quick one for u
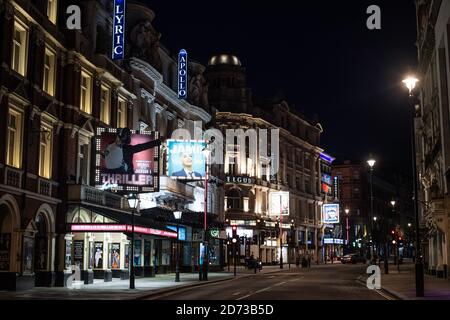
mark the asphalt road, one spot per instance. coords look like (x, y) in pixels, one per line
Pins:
(320, 282)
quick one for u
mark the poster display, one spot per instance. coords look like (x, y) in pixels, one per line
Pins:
(91, 255)
(127, 160)
(279, 203)
(185, 159)
(28, 248)
(330, 213)
(127, 256)
(68, 255)
(147, 252)
(98, 256)
(137, 253)
(78, 253)
(115, 256)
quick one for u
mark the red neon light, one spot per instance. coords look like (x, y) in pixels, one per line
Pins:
(120, 228)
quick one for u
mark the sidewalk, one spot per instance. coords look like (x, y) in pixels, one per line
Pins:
(119, 289)
(403, 284)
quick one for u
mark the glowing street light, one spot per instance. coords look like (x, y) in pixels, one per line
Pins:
(410, 84)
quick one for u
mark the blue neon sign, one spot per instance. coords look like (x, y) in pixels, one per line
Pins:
(118, 49)
(182, 74)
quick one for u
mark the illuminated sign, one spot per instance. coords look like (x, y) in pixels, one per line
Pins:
(118, 49)
(185, 159)
(127, 160)
(330, 213)
(119, 228)
(241, 180)
(326, 178)
(279, 203)
(336, 187)
(215, 233)
(182, 74)
(181, 232)
(333, 241)
(327, 157)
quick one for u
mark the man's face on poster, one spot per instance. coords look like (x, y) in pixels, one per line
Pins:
(186, 159)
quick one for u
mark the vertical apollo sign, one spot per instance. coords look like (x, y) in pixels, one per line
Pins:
(118, 48)
(182, 74)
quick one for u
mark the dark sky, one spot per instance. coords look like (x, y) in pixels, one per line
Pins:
(320, 54)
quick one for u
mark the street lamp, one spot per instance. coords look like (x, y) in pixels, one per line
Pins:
(410, 83)
(371, 162)
(206, 151)
(177, 215)
(347, 227)
(133, 201)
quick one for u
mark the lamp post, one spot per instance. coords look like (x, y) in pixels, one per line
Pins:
(371, 162)
(280, 222)
(207, 153)
(347, 227)
(177, 215)
(133, 201)
(396, 248)
(410, 84)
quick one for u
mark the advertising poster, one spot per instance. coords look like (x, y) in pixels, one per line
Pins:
(5, 251)
(78, 252)
(115, 256)
(147, 252)
(126, 160)
(98, 256)
(137, 253)
(330, 213)
(279, 203)
(127, 256)
(68, 255)
(40, 253)
(185, 159)
(91, 255)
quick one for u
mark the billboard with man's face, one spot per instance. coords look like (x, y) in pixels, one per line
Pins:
(330, 213)
(127, 160)
(185, 159)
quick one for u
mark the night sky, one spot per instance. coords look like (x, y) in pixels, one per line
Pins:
(320, 56)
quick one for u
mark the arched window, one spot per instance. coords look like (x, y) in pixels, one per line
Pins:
(233, 199)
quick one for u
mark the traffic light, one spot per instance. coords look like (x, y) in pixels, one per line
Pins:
(234, 229)
(255, 239)
(242, 239)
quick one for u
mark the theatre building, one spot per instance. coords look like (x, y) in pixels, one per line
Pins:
(255, 186)
(58, 87)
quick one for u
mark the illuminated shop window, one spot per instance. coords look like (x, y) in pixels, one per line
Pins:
(52, 8)
(105, 105)
(19, 48)
(85, 92)
(122, 114)
(45, 151)
(14, 139)
(48, 84)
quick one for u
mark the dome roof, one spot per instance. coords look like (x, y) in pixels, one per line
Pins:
(224, 59)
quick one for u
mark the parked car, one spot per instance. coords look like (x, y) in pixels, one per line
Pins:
(353, 258)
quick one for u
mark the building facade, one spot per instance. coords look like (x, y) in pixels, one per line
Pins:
(256, 180)
(432, 125)
(58, 86)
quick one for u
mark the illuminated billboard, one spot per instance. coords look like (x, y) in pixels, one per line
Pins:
(330, 213)
(127, 160)
(118, 49)
(279, 203)
(185, 159)
(182, 74)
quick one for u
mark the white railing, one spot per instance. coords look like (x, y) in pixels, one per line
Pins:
(84, 193)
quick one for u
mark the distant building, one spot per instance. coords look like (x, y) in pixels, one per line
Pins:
(433, 131)
(249, 185)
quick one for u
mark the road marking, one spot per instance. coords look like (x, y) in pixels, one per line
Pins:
(251, 294)
(279, 284)
(236, 293)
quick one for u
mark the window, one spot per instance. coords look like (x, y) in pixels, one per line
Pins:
(233, 199)
(45, 151)
(105, 104)
(52, 7)
(85, 92)
(122, 114)
(14, 139)
(48, 84)
(19, 48)
(83, 160)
